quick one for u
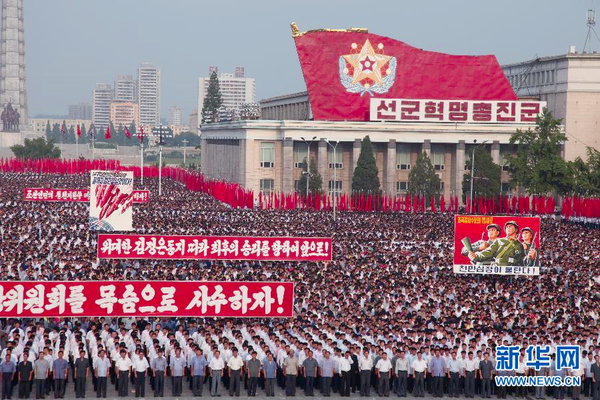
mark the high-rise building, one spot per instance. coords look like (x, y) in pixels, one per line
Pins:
(123, 113)
(149, 94)
(125, 88)
(101, 105)
(236, 89)
(175, 115)
(194, 121)
(13, 81)
(80, 111)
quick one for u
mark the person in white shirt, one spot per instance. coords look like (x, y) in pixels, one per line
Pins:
(140, 366)
(419, 368)
(384, 370)
(470, 368)
(216, 366)
(235, 367)
(345, 365)
(123, 366)
(365, 365)
(401, 369)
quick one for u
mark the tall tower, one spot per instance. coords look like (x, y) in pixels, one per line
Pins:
(13, 82)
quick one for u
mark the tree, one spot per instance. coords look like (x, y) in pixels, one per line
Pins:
(537, 164)
(133, 130)
(83, 137)
(71, 135)
(316, 181)
(422, 178)
(585, 176)
(36, 148)
(487, 174)
(48, 129)
(366, 178)
(213, 100)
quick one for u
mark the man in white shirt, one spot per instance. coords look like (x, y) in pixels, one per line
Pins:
(123, 366)
(216, 366)
(384, 370)
(140, 366)
(345, 364)
(401, 369)
(470, 368)
(365, 365)
(235, 367)
(419, 368)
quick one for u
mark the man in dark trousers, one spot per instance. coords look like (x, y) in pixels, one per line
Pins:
(123, 366)
(41, 369)
(8, 369)
(25, 371)
(101, 367)
(198, 372)
(253, 366)
(596, 379)
(59, 369)
(159, 366)
(140, 366)
(486, 374)
(309, 368)
(80, 374)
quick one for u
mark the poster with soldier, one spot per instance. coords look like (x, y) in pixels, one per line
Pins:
(507, 245)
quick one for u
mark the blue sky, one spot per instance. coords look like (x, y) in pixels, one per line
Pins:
(73, 44)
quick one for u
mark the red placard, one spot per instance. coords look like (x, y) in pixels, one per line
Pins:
(214, 247)
(76, 195)
(147, 298)
(481, 231)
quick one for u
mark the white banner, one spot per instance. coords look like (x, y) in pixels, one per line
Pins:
(456, 111)
(111, 201)
(496, 270)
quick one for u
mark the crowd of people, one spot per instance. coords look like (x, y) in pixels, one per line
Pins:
(387, 315)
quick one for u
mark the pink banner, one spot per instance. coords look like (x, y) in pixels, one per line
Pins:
(149, 298)
(214, 247)
(77, 195)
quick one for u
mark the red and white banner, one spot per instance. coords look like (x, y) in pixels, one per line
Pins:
(146, 298)
(456, 111)
(214, 247)
(111, 201)
(76, 195)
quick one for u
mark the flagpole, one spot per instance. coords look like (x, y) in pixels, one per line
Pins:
(77, 146)
(93, 148)
(142, 160)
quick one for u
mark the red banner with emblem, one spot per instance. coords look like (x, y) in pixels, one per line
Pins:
(76, 195)
(146, 298)
(343, 70)
(214, 247)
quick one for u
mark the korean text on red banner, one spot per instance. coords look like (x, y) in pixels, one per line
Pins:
(72, 195)
(148, 298)
(214, 247)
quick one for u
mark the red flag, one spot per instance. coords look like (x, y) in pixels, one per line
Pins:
(78, 130)
(443, 203)
(433, 204)
(127, 133)
(108, 136)
(141, 134)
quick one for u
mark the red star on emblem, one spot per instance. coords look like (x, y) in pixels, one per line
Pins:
(367, 64)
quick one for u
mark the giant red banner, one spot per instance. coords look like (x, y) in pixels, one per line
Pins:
(214, 247)
(507, 245)
(343, 70)
(77, 195)
(146, 298)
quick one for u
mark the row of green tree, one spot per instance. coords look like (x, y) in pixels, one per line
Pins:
(535, 163)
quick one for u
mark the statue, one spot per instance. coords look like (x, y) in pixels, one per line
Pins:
(10, 119)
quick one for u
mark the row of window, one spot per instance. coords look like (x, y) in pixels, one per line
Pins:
(532, 78)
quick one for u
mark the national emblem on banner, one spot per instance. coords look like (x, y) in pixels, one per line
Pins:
(367, 70)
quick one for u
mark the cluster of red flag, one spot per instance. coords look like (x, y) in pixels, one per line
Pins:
(503, 204)
(577, 206)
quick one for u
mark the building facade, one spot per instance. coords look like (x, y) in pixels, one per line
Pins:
(123, 113)
(570, 84)
(38, 125)
(236, 89)
(294, 106)
(149, 94)
(102, 96)
(175, 115)
(268, 155)
(194, 121)
(80, 111)
(126, 88)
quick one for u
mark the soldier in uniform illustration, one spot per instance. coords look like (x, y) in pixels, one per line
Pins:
(506, 251)
(493, 232)
(531, 254)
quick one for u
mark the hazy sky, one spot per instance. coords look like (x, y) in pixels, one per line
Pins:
(73, 44)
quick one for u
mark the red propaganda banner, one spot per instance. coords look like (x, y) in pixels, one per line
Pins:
(146, 298)
(507, 245)
(214, 247)
(343, 70)
(77, 195)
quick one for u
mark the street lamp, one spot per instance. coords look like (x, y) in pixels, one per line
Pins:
(334, 176)
(473, 166)
(308, 143)
(185, 142)
(160, 146)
